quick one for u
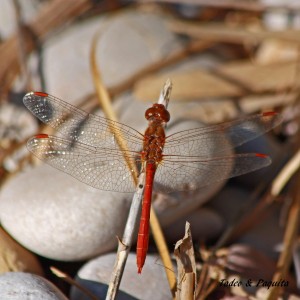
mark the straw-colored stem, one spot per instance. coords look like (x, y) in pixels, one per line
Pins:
(172, 58)
(277, 185)
(52, 15)
(290, 235)
(125, 244)
(65, 277)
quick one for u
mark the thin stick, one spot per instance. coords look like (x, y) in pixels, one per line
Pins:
(174, 57)
(254, 6)
(65, 277)
(290, 235)
(125, 244)
(21, 42)
(165, 94)
(256, 215)
(52, 15)
(286, 173)
(154, 223)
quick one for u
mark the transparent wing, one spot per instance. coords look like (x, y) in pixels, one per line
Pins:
(77, 125)
(177, 173)
(219, 138)
(104, 169)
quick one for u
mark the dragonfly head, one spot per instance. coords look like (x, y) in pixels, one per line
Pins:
(157, 112)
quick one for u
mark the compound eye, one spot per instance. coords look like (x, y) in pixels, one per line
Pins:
(149, 113)
(165, 115)
(162, 112)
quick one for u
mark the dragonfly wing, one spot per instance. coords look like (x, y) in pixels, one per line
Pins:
(208, 140)
(78, 125)
(104, 169)
(177, 173)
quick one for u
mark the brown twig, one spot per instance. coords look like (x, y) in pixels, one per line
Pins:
(65, 277)
(53, 15)
(290, 235)
(277, 185)
(125, 244)
(255, 6)
(21, 43)
(193, 47)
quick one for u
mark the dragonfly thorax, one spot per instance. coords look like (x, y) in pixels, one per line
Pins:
(154, 141)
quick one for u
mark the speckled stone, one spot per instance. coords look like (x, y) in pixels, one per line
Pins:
(128, 42)
(58, 217)
(26, 286)
(151, 284)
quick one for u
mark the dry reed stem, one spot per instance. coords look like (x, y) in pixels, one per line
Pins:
(186, 266)
(125, 244)
(52, 15)
(156, 230)
(191, 48)
(290, 235)
(127, 239)
(256, 215)
(21, 41)
(65, 277)
(285, 175)
(254, 6)
(222, 32)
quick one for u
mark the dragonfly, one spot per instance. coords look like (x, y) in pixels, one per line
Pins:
(186, 160)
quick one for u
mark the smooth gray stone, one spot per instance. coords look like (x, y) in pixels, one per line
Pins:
(26, 286)
(151, 284)
(56, 216)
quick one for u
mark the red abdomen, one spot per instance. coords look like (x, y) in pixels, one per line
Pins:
(143, 235)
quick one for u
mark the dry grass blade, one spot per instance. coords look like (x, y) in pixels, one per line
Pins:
(238, 35)
(185, 257)
(53, 14)
(105, 102)
(21, 41)
(124, 246)
(210, 273)
(158, 236)
(285, 175)
(256, 215)
(69, 280)
(288, 242)
(192, 47)
(226, 4)
(163, 250)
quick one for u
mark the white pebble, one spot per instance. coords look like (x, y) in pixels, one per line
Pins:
(56, 216)
(26, 286)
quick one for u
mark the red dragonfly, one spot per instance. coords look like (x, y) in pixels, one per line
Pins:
(89, 151)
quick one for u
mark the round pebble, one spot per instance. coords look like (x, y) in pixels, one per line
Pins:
(128, 43)
(56, 216)
(26, 286)
(150, 284)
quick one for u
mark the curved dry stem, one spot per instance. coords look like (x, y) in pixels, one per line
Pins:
(285, 174)
(290, 236)
(125, 244)
(65, 277)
